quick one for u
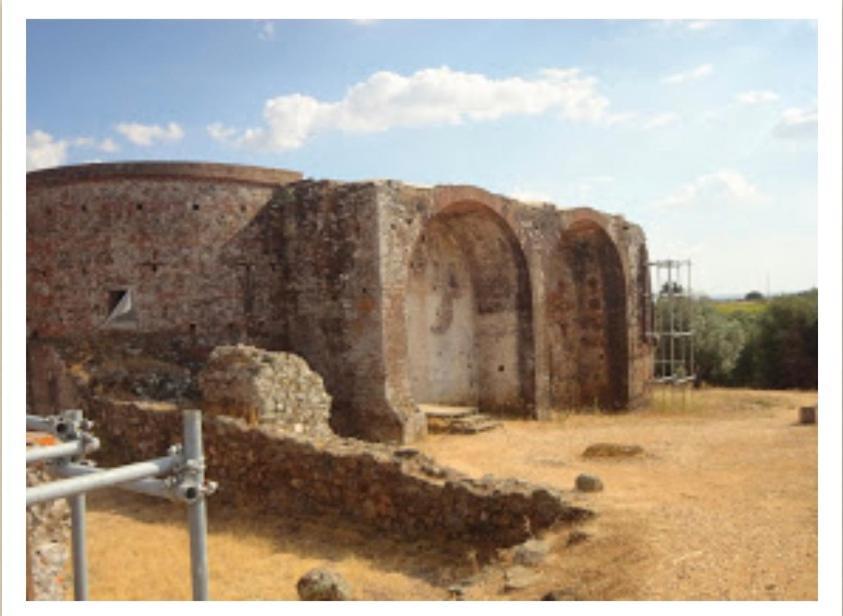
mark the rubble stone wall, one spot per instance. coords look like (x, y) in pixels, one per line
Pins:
(397, 490)
(48, 543)
(265, 387)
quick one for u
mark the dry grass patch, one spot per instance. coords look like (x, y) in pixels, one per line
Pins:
(722, 506)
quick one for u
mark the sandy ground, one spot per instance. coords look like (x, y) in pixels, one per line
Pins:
(722, 505)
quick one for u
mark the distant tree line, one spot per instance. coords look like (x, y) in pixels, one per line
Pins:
(769, 345)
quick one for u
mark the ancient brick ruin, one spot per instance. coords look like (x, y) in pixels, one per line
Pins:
(396, 295)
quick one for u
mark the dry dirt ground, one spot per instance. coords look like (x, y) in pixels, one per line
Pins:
(721, 505)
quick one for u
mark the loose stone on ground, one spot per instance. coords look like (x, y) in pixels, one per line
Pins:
(531, 553)
(612, 450)
(576, 537)
(518, 578)
(589, 483)
(323, 585)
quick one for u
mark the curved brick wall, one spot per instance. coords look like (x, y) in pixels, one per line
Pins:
(177, 235)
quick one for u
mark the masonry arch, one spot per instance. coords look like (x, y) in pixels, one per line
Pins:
(469, 313)
(598, 336)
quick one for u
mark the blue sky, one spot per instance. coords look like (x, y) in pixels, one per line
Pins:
(702, 132)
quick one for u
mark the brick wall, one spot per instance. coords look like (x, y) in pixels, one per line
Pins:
(220, 254)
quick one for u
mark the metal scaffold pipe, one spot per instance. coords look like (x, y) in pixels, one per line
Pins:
(37, 423)
(80, 558)
(151, 487)
(104, 479)
(197, 508)
(62, 450)
(184, 481)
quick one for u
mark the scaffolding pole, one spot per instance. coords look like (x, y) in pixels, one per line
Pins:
(184, 469)
(671, 331)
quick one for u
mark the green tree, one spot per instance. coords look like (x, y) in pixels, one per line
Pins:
(782, 353)
(718, 342)
(773, 348)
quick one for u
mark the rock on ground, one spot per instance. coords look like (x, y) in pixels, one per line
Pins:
(576, 536)
(531, 552)
(589, 483)
(563, 594)
(517, 578)
(612, 450)
(808, 414)
(323, 585)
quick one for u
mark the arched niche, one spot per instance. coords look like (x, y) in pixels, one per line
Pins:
(595, 332)
(469, 314)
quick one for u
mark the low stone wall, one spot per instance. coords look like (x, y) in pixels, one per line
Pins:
(394, 489)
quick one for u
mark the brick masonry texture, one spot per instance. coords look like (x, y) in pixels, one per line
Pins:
(395, 295)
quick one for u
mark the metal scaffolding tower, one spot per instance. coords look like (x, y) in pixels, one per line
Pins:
(670, 328)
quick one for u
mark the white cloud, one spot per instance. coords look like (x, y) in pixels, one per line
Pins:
(42, 151)
(530, 196)
(695, 25)
(266, 31)
(756, 97)
(797, 123)
(433, 96)
(691, 75)
(148, 134)
(660, 120)
(721, 188)
(106, 145)
(220, 132)
(700, 24)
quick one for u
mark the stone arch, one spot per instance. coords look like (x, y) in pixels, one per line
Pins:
(469, 313)
(597, 328)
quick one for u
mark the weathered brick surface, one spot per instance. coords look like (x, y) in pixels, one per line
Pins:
(395, 295)
(572, 332)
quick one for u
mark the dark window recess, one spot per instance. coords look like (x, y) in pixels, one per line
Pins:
(114, 299)
(121, 308)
